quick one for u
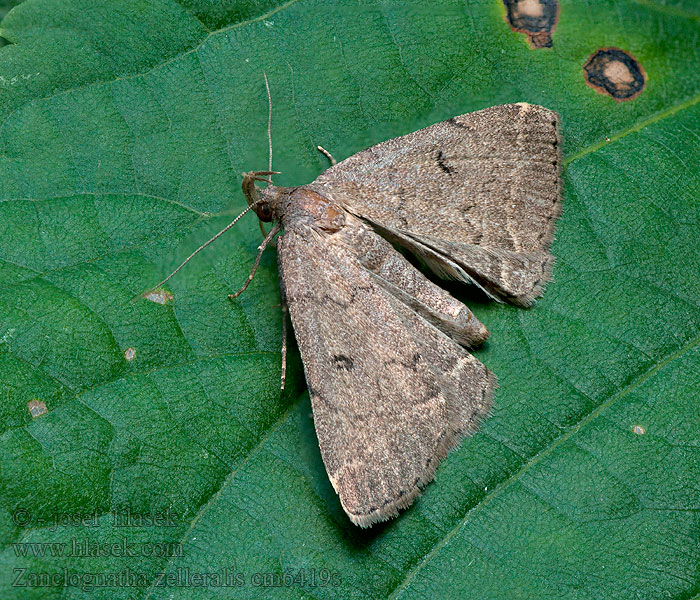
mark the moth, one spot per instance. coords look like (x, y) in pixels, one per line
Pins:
(386, 351)
(392, 384)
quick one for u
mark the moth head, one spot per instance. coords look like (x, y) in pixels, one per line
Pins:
(256, 198)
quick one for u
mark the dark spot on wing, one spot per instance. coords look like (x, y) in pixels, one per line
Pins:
(535, 18)
(615, 72)
(342, 362)
(400, 215)
(336, 301)
(456, 123)
(411, 363)
(440, 158)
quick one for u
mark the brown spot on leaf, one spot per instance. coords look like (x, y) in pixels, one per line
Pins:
(535, 18)
(615, 72)
(129, 354)
(36, 408)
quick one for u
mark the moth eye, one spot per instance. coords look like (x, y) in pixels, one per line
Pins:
(265, 212)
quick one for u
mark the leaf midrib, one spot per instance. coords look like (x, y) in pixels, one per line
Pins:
(659, 116)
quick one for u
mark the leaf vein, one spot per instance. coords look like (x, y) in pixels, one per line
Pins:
(655, 118)
(283, 417)
(547, 450)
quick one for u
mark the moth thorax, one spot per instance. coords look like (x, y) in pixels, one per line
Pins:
(326, 214)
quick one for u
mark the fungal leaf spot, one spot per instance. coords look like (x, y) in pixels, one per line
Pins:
(535, 18)
(615, 72)
(36, 408)
(159, 296)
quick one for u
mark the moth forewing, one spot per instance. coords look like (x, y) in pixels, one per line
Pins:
(390, 392)
(476, 196)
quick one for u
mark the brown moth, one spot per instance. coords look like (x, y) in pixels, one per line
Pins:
(392, 386)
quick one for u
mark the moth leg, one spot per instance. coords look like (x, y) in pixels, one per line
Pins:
(413, 288)
(327, 154)
(273, 243)
(285, 310)
(261, 248)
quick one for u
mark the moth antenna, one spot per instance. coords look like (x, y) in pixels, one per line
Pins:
(269, 145)
(204, 245)
(269, 126)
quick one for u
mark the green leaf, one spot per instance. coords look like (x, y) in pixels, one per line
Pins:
(125, 126)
